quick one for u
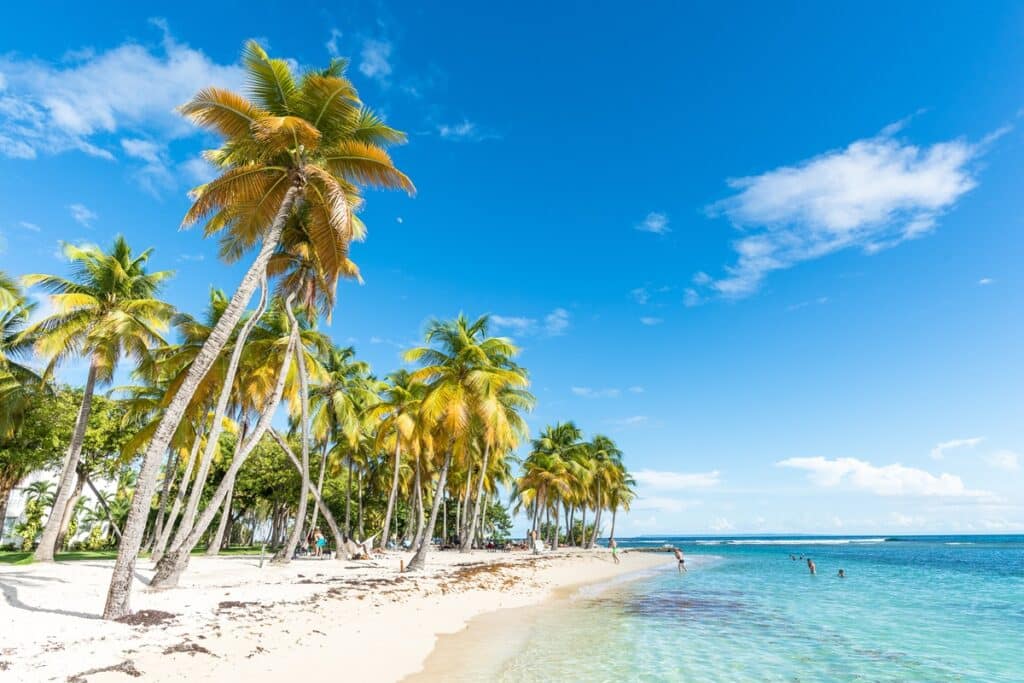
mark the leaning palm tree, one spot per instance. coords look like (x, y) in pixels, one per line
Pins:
(606, 469)
(306, 141)
(106, 311)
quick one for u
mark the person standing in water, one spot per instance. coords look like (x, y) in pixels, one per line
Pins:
(842, 573)
(682, 562)
(810, 565)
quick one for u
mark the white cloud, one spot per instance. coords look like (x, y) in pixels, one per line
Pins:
(332, 43)
(517, 325)
(82, 214)
(588, 392)
(720, 524)
(640, 295)
(886, 480)
(701, 278)
(198, 170)
(636, 390)
(195, 258)
(147, 150)
(985, 281)
(48, 108)
(32, 227)
(649, 320)
(375, 61)
(655, 222)
(676, 481)
(399, 220)
(691, 298)
(465, 130)
(1004, 460)
(556, 322)
(631, 421)
(939, 452)
(873, 194)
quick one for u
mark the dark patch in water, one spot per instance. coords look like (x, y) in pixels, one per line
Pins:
(678, 604)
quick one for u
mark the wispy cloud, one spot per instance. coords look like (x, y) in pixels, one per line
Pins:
(636, 390)
(194, 258)
(554, 324)
(332, 43)
(640, 295)
(464, 131)
(721, 524)
(590, 392)
(940, 449)
(375, 60)
(985, 281)
(198, 170)
(1007, 461)
(31, 227)
(82, 214)
(821, 300)
(873, 194)
(53, 107)
(691, 297)
(677, 481)
(650, 320)
(655, 222)
(885, 480)
(631, 421)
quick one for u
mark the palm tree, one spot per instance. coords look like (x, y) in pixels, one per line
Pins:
(396, 414)
(40, 492)
(309, 140)
(462, 368)
(105, 311)
(17, 379)
(606, 469)
(620, 495)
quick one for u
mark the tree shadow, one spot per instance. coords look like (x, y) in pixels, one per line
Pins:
(10, 592)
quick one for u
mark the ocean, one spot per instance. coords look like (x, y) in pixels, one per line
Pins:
(911, 608)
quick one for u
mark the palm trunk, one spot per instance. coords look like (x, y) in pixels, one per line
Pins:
(555, 530)
(597, 516)
(165, 492)
(444, 520)
(218, 540)
(611, 536)
(300, 514)
(419, 508)
(170, 567)
(348, 502)
(339, 541)
(48, 541)
(419, 560)
(179, 498)
(212, 440)
(119, 594)
(467, 544)
(6, 487)
(319, 485)
(359, 492)
(103, 504)
(69, 511)
(394, 493)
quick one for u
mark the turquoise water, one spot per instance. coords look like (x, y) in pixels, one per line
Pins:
(910, 609)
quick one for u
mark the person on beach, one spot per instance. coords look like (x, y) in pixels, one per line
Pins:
(679, 557)
(320, 543)
(810, 565)
(615, 549)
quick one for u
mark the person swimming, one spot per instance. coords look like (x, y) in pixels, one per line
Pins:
(682, 562)
(842, 573)
(810, 565)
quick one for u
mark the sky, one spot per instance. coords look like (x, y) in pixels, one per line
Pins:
(772, 250)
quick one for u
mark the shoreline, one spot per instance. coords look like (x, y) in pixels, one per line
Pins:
(230, 619)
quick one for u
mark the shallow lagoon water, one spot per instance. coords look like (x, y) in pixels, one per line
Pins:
(911, 609)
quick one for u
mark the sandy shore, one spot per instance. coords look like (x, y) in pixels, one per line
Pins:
(232, 620)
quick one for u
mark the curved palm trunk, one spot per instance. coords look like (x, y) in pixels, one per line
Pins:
(218, 539)
(393, 495)
(165, 492)
(288, 551)
(179, 498)
(419, 560)
(48, 541)
(170, 567)
(219, 412)
(467, 542)
(583, 531)
(359, 492)
(103, 503)
(597, 517)
(319, 485)
(418, 538)
(339, 541)
(119, 594)
(611, 536)
(555, 531)
(348, 502)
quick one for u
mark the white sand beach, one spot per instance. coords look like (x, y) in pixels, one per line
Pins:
(232, 620)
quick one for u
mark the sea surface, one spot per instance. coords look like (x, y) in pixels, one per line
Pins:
(926, 608)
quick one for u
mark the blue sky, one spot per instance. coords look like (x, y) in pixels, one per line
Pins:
(774, 251)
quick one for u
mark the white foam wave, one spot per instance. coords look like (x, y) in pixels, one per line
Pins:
(792, 541)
